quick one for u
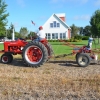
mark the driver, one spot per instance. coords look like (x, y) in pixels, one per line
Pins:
(40, 35)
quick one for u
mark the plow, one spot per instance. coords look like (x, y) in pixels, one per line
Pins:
(83, 55)
(35, 54)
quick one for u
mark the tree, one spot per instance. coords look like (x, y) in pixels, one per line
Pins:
(87, 30)
(17, 35)
(95, 24)
(81, 30)
(3, 17)
(31, 34)
(74, 30)
(23, 32)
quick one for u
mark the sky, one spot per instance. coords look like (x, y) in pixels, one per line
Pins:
(77, 12)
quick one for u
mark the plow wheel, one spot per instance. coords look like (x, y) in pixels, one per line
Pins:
(83, 60)
(34, 54)
(6, 58)
(77, 55)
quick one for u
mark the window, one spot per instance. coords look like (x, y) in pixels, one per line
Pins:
(49, 36)
(58, 24)
(56, 34)
(54, 23)
(46, 35)
(60, 35)
(64, 35)
(53, 36)
(51, 25)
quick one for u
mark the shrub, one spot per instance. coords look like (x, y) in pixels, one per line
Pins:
(53, 40)
(85, 37)
(78, 37)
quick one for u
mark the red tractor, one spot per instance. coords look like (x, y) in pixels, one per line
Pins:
(33, 53)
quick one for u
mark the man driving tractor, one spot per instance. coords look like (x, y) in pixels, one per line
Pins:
(40, 35)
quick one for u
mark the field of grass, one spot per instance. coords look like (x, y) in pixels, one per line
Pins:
(1, 46)
(60, 48)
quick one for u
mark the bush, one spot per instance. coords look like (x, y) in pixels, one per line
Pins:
(53, 40)
(73, 40)
(85, 37)
(78, 37)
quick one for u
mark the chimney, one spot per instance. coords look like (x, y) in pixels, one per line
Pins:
(62, 16)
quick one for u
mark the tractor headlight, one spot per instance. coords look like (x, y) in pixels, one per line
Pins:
(21, 48)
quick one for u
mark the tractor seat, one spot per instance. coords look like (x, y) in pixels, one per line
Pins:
(43, 40)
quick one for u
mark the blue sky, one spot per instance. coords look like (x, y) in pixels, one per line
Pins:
(77, 12)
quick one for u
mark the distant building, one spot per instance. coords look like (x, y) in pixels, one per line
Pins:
(56, 27)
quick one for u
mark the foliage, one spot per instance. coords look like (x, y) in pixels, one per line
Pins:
(85, 37)
(53, 40)
(23, 32)
(87, 30)
(81, 30)
(17, 35)
(78, 37)
(3, 17)
(74, 30)
(95, 23)
(31, 34)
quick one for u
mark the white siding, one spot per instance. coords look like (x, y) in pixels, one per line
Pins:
(58, 30)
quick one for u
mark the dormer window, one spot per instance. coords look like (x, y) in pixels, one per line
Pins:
(51, 25)
(58, 24)
(54, 24)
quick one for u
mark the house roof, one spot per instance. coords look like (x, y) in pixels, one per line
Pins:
(57, 17)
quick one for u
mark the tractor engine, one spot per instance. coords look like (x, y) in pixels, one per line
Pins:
(14, 47)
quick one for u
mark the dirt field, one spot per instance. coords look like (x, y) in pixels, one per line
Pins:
(55, 80)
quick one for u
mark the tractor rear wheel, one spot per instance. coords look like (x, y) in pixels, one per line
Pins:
(34, 54)
(50, 50)
(6, 58)
(83, 60)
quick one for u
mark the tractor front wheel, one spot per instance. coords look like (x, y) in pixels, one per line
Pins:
(6, 58)
(34, 54)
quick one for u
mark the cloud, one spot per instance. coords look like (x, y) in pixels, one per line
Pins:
(82, 17)
(21, 3)
(97, 3)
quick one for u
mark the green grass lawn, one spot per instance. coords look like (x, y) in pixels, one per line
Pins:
(1, 46)
(59, 48)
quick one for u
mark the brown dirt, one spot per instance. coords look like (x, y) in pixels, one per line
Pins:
(55, 80)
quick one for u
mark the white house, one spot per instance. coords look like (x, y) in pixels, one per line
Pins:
(56, 28)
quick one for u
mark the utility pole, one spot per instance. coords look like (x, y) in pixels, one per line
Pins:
(13, 34)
